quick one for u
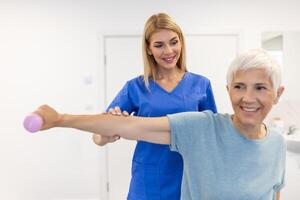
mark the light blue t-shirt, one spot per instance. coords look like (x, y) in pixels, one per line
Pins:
(222, 164)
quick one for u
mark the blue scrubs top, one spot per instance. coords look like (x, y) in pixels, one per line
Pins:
(157, 171)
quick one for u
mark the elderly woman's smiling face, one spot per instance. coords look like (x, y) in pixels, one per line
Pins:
(252, 96)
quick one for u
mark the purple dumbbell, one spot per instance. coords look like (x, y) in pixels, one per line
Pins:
(33, 123)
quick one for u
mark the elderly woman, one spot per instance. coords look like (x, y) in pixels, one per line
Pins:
(225, 156)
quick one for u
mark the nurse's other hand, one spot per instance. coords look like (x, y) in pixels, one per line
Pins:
(103, 140)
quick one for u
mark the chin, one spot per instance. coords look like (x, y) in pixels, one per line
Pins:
(169, 66)
(251, 122)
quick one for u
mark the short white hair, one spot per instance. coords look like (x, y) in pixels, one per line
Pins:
(256, 59)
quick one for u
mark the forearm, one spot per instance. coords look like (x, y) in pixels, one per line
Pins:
(155, 130)
(104, 124)
(278, 196)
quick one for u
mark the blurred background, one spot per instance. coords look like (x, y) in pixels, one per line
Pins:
(76, 55)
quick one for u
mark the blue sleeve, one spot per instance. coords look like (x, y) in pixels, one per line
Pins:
(122, 100)
(209, 104)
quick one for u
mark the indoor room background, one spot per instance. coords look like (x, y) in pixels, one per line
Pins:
(75, 55)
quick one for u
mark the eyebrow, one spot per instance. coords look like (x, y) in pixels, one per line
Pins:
(176, 37)
(239, 83)
(261, 84)
(160, 42)
(242, 83)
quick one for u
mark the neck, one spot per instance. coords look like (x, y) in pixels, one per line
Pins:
(173, 74)
(250, 132)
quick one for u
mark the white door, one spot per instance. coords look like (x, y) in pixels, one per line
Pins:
(207, 54)
(123, 62)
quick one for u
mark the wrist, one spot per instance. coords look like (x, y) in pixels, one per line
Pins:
(61, 121)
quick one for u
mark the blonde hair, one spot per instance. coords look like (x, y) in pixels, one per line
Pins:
(154, 24)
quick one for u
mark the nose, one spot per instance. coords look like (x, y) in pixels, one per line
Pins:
(168, 49)
(249, 96)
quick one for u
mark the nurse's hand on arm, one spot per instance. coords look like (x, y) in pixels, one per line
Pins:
(154, 130)
(103, 140)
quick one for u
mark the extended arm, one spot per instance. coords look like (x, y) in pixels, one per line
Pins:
(154, 130)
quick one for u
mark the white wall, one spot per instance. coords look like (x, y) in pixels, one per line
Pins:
(47, 47)
(291, 49)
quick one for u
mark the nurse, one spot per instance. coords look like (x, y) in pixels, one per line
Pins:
(166, 87)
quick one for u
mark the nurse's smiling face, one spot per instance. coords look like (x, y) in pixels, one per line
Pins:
(165, 47)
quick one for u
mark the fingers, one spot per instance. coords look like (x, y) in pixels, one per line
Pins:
(103, 140)
(125, 113)
(117, 111)
(113, 138)
(100, 140)
(49, 116)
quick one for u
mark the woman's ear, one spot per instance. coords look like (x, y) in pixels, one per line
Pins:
(278, 94)
(149, 52)
(227, 88)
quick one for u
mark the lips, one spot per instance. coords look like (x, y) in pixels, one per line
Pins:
(248, 109)
(169, 59)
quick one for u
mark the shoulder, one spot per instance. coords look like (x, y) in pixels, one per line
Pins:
(204, 118)
(275, 135)
(136, 82)
(277, 139)
(192, 114)
(189, 126)
(203, 114)
(198, 77)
